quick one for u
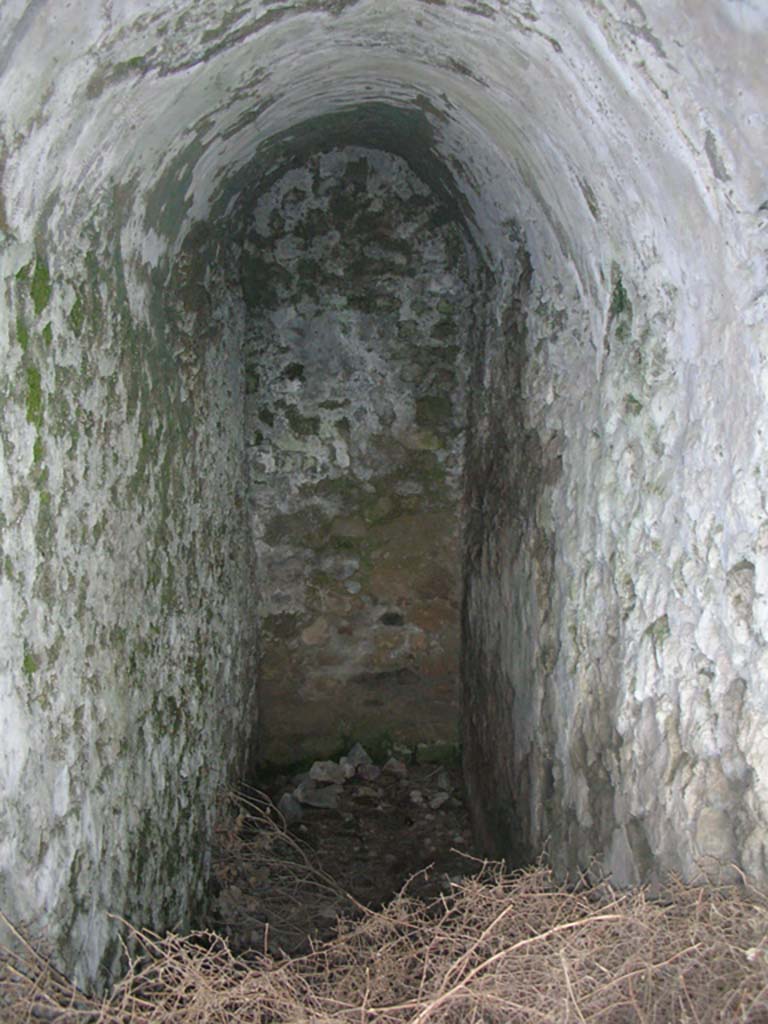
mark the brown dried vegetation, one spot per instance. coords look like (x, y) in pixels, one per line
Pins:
(498, 948)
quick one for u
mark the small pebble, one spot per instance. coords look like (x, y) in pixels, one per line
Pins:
(290, 808)
(327, 771)
(369, 792)
(359, 755)
(395, 767)
(311, 795)
(437, 801)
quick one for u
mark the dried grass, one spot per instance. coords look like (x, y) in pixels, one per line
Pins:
(499, 949)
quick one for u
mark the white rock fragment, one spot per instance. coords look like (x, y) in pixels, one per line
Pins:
(437, 801)
(395, 767)
(357, 755)
(290, 808)
(328, 771)
(312, 795)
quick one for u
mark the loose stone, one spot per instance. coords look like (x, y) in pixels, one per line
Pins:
(313, 796)
(328, 771)
(395, 767)
(290, 808)
(359, 755)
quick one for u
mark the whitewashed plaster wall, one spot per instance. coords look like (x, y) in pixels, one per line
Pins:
(609, 160)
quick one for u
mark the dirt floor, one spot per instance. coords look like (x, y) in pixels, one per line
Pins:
(308, 927)
(392, 824)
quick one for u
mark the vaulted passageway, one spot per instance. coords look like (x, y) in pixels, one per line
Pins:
(299, 300)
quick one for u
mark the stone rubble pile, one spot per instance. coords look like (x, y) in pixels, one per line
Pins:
(369, 828)
(321, 787)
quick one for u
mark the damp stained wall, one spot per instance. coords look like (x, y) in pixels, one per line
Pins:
(607, 162)
(359, 296)
(129, 646)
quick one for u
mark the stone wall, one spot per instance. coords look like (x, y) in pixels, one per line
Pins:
(605, 165)
(358, 292)
(128, 644)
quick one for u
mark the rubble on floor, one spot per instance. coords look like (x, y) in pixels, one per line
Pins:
(367, 828)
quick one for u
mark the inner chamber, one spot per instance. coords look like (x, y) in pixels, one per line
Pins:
(358, 287)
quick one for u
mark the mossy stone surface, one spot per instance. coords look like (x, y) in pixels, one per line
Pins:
(355, 417)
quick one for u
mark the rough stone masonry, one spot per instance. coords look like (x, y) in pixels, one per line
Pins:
(298, 295)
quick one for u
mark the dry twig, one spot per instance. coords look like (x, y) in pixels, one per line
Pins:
(501, 949)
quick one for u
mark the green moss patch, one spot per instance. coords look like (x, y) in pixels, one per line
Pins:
(22, 334)
(434, 411)
(40, 286)
(34, 397)
(296, 527)
(259, 280)
(76, 317)
(302, 426)
(620, 303)
(659, 630)
(294, 371)
(620, 310)
(632, 407)
(45, 526)
(29, 663)
(444, 329)
(281, 626)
